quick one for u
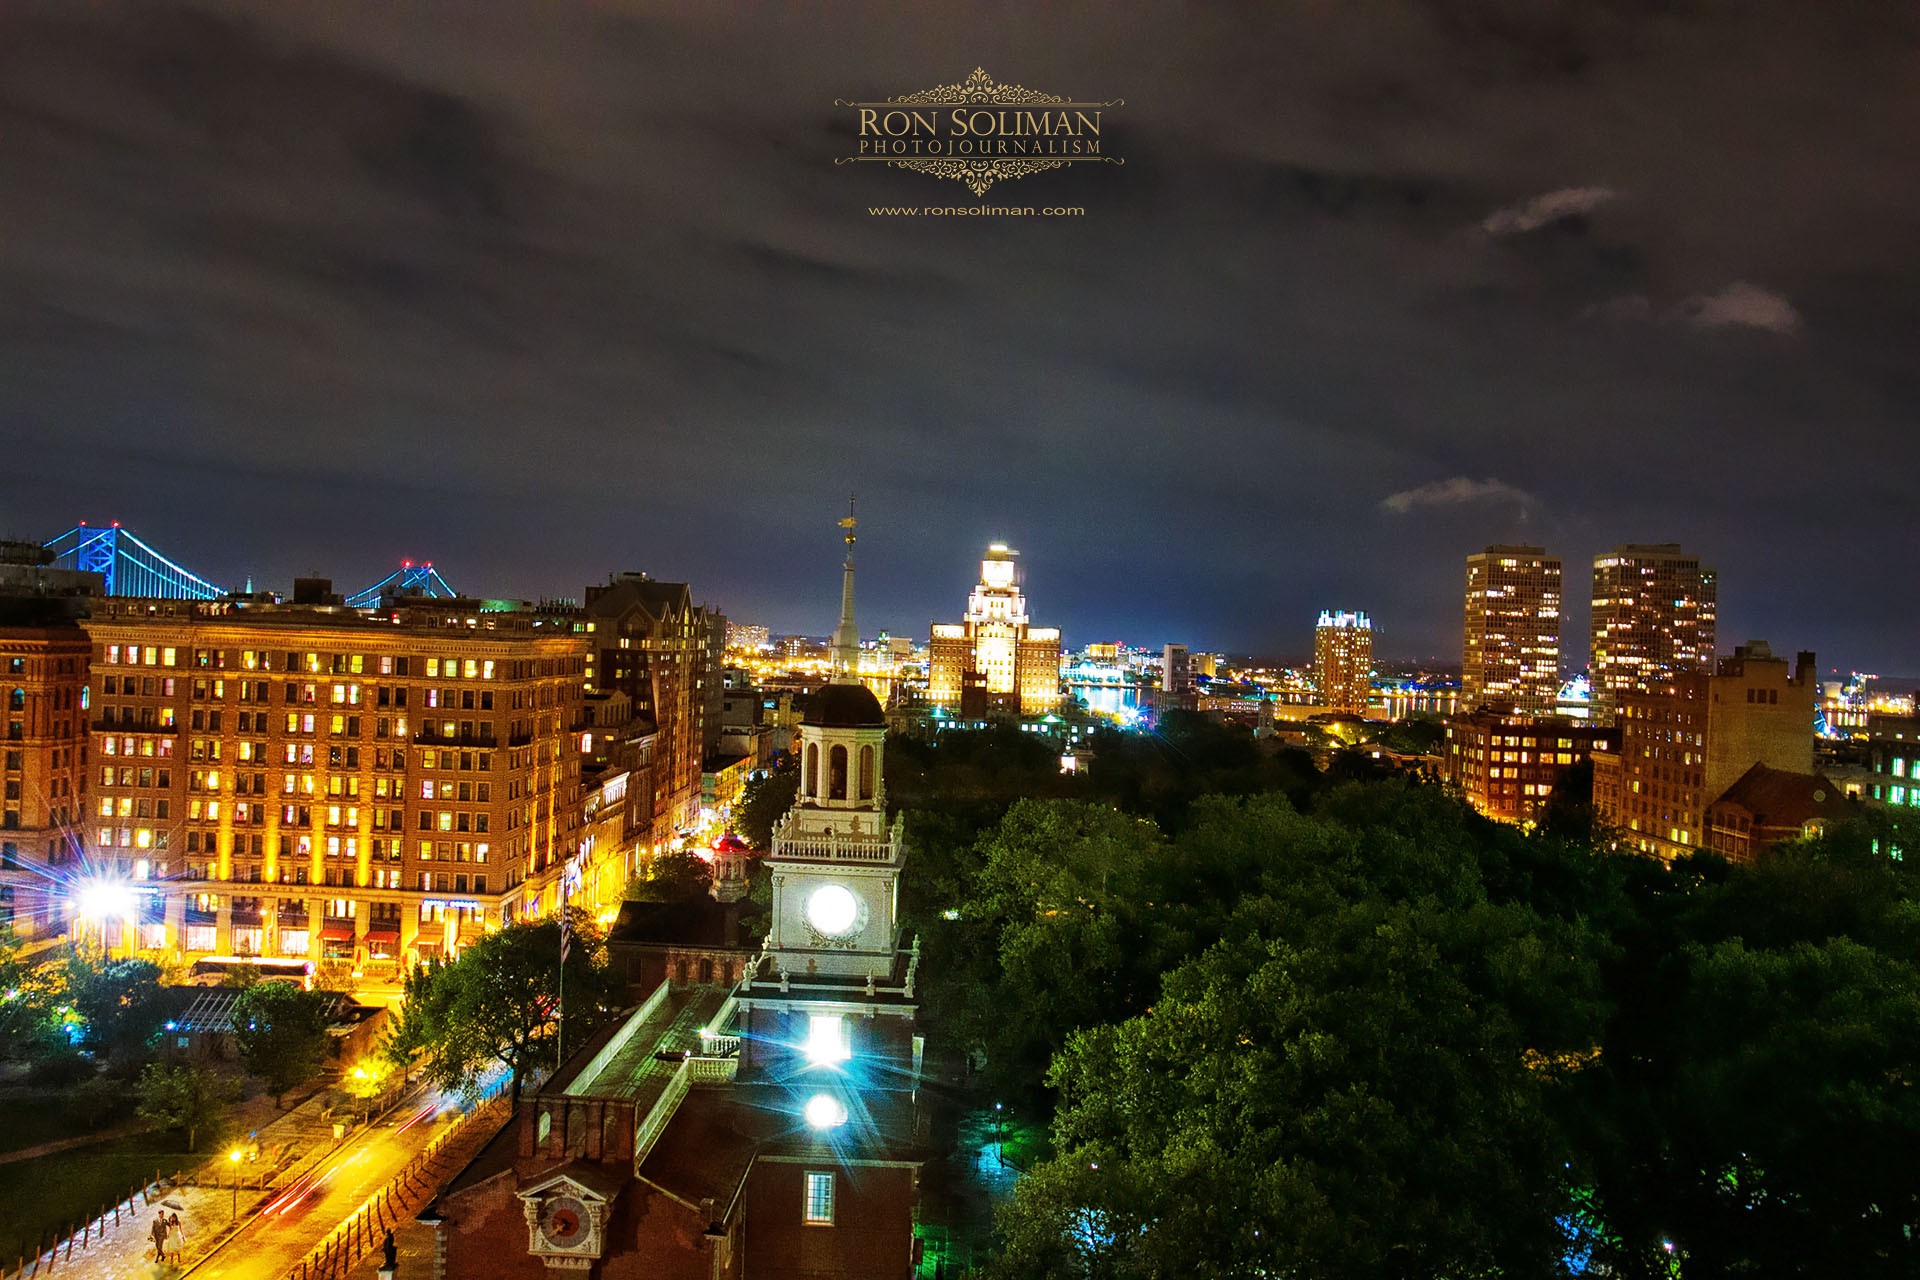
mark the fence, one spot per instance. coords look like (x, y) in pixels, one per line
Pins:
(386, 1209)
(92, 1231)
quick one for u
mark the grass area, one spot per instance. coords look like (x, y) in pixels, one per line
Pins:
(33, 1119)
(47, 1193)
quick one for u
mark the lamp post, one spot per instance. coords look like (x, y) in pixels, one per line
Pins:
(234, 1157)
(999, 1135)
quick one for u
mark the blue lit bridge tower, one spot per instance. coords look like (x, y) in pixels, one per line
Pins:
(130, 566)
(409, 579)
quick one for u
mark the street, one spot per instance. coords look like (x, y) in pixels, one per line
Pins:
(286, 1227)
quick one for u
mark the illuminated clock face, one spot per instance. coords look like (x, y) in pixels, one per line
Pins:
(563, 1222)
(833, 910)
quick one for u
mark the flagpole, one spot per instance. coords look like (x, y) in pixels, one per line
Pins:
(560, 1031)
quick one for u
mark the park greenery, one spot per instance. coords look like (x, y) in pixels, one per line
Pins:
(498, 1005)
(1285, 1021)
(186, 1098)
(280, 1029)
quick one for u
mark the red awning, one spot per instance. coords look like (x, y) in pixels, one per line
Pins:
(336, 933)
(382, 935)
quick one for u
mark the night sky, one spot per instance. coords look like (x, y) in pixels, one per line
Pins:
(539, 291)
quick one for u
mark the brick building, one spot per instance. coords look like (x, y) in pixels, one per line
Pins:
(44, 654)
(767, 1127)
(1506, 763)
(652, 643)
(306, 779)
(1682, 747)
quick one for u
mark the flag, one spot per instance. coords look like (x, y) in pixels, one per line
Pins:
(566, 931)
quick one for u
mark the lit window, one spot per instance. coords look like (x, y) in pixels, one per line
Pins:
(819, 1208)
(827, 1039)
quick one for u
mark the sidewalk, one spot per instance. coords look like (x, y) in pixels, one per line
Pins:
(118, 1250)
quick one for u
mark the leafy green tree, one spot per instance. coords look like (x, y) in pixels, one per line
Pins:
(118, 1002)
(281, 1031)
(497, 1004)
(670, 877)
(763, 801)
(29, 994)
(187, 1098)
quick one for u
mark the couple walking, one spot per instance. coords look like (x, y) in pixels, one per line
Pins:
(168, 1236)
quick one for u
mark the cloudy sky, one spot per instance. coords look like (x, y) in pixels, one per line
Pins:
(544, 290)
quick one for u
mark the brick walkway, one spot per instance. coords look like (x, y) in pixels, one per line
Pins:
(119, 1250)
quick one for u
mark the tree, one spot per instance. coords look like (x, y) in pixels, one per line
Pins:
(670, 877)
(497, 1004)
(281, 1031)
(182, 1098)
(118, 1001)
(764, 800)
(28, 997)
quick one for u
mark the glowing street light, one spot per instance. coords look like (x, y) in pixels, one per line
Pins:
(823, 1111)
(103, 901)
(234, 1156)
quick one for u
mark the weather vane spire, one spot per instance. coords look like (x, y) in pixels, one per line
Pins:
(846, 636)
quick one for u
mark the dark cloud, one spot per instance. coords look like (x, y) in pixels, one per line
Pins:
(541, 291)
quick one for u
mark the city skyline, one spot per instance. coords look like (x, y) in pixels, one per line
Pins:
(296, 289)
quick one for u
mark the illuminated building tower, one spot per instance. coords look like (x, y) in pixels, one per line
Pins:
(995, 655)
(765, 1129)
(1684, 745)
(1343, 661)
(1176, 679)
(305, 779)
(1513, 630)
(1653, 617)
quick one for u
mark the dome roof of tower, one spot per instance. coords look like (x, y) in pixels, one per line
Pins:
(844, 706)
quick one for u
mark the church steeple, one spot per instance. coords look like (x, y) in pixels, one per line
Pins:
(846, 636)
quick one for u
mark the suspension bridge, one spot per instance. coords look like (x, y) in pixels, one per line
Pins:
(132, 567)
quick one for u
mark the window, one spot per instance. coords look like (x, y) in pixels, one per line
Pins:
(819, 1207)
(827, 1038)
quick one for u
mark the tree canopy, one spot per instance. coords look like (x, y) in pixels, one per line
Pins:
(1385, 1037)
(281, 1031)
(497, 1004)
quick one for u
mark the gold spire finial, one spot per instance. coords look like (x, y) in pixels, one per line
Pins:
(847, 522)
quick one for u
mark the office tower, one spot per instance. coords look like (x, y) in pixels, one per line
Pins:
(1176, 679)
(305, 779)
(1343, 661)
(1685, 744)
(650, 641)
(1653, 617)
(995, 658)
(1512, 630)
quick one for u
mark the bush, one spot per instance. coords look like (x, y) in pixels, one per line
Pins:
(60, 1067)
(99, 1101)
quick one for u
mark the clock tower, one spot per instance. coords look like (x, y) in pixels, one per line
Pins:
(835, 859)
(834, 982)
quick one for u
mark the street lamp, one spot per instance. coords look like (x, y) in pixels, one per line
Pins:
(234, 1156)
(101, 900)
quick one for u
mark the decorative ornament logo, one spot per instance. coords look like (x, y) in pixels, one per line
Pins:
(963, 131)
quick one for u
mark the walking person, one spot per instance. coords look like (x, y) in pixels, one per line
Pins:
(179, 1235)
(160, 1236)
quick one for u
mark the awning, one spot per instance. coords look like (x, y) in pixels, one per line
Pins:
(382, 935)
(336, 933)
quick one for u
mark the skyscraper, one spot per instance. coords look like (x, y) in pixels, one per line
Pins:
(1343, 660)
(1653, 617)
(996, 651)
(1512, 629)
